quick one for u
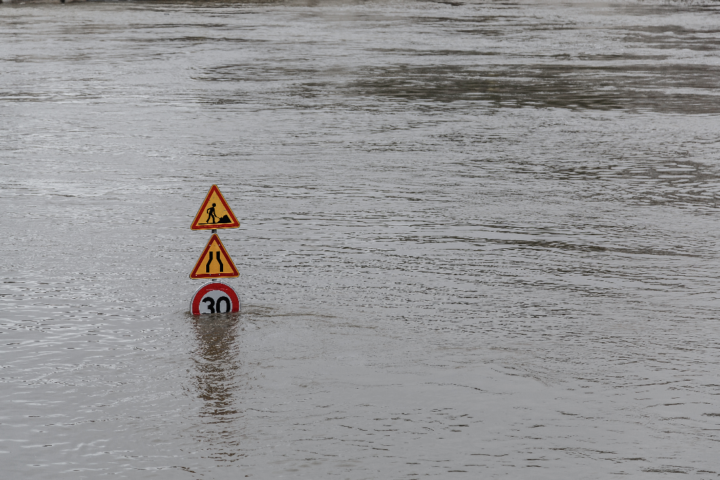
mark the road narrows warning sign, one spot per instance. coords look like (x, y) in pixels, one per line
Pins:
(214, 213)
(214, 261)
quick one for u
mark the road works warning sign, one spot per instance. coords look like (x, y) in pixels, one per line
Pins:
(214, 262)
(214, 213)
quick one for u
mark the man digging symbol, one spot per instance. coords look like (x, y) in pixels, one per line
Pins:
(211, 214)
(215, 215)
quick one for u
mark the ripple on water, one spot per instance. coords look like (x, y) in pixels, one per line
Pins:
(476, 239)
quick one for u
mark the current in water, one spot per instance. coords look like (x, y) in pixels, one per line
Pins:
(478, 240)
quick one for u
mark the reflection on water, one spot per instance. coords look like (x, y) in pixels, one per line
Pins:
(478, 239)
(217, 365)
(217, 380)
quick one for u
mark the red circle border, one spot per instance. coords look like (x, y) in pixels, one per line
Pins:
(227, 289)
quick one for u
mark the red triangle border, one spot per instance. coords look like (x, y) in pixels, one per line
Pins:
(195, 275)
(195, 224)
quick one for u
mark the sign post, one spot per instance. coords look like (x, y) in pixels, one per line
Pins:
(214, 261)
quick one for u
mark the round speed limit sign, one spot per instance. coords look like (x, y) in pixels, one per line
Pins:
(214, 297)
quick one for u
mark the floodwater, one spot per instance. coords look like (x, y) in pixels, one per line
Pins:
(478, 240)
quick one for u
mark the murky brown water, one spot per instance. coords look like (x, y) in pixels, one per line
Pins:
(476, 238)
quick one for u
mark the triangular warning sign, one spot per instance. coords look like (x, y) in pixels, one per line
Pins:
(214, 261)
(214, 213)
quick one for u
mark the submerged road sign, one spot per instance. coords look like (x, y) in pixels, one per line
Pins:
(214, 261)
(214, 297)
(214, 213)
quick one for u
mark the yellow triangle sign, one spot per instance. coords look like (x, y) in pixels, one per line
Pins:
(214, 261)
(214, 213)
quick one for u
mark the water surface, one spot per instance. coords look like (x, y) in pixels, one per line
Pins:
(478, 240)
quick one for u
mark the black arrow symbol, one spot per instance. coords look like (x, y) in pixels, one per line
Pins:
(207, 265)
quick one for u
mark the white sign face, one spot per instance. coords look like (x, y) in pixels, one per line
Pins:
(214, 297)
(215, 301)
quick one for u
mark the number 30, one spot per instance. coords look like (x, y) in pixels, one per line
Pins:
(212, 304)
